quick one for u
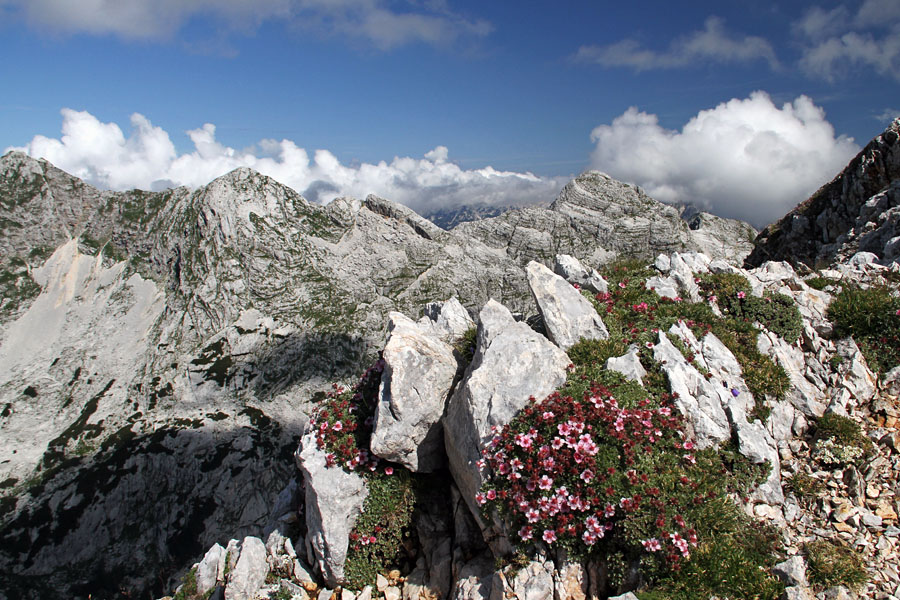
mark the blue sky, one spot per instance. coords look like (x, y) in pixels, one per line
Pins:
(442, 102)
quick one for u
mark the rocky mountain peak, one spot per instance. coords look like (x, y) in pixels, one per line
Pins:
(858, 210)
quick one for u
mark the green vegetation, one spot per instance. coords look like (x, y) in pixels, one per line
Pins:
(872, 318)
(663, 486)
(16, 287)
(188, 589)
(465, 345)
(634, 315)
(805, 487)
(839, 440)
(831, 563)
(380, 530)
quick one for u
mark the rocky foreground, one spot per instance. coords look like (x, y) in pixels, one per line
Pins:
(811, 491)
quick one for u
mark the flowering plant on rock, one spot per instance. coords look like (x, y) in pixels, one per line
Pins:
(343, 422)
(592, 475)
(343, 425)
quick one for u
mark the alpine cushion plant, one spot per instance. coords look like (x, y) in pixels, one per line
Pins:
(590, 475)
(872, 317)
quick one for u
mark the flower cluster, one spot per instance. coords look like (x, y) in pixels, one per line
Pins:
(589, 472)
(343, 423)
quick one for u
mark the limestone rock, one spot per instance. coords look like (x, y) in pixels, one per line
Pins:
(698, 399)
(571, 269)
(250, 572)
(568, 316)
(334, 499)
(629, 365)
(792, 571)
(417, 378)
(848, 214)
(447, 321)
(211, 569)
(803, 394)
(511, 364)
(475, 580)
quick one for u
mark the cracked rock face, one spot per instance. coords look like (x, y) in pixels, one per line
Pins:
(417, 378)
(568, 316)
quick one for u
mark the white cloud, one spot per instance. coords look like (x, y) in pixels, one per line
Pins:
(101, 154)
(839, 42)
(745, 158)
(375, 21)
(711, 44)
(888, 115)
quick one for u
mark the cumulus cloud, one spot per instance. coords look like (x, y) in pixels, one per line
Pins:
(745, 158)
(101, 154)
(839, 41)
(385, 25)
(711, 44)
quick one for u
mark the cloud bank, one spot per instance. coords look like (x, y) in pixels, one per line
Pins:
(837, 41)
(712, 44)
(744, 159)
(383, 24)
(101, 154)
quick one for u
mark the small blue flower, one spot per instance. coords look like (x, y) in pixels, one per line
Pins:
(734, 392)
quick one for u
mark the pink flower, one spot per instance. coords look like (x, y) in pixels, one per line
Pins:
(549, 536)
(651, 545)
(548, 414)
(492, 495)
(525, 533)
(545, 483)
(622, 284)
(523, 440)
(741, 295)
(372, 539)
(532, 515)
(389, 470)
(337, 426)
(587, 475)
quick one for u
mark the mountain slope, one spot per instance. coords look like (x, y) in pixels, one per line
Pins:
(158, 350)
(856, 211)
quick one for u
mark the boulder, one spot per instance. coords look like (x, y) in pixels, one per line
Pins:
(568, 316)
(475, 580)
(698, 399)
(511, 364)
(417, 378)
(211, 569)
(629, 365)
(792, 571)
(571, 269)
(447, 321)
(334, 499)
(249, 574)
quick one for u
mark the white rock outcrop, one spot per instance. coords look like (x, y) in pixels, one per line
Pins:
(568, 316)
(334, 500)
(417, 378)
(249, 574)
